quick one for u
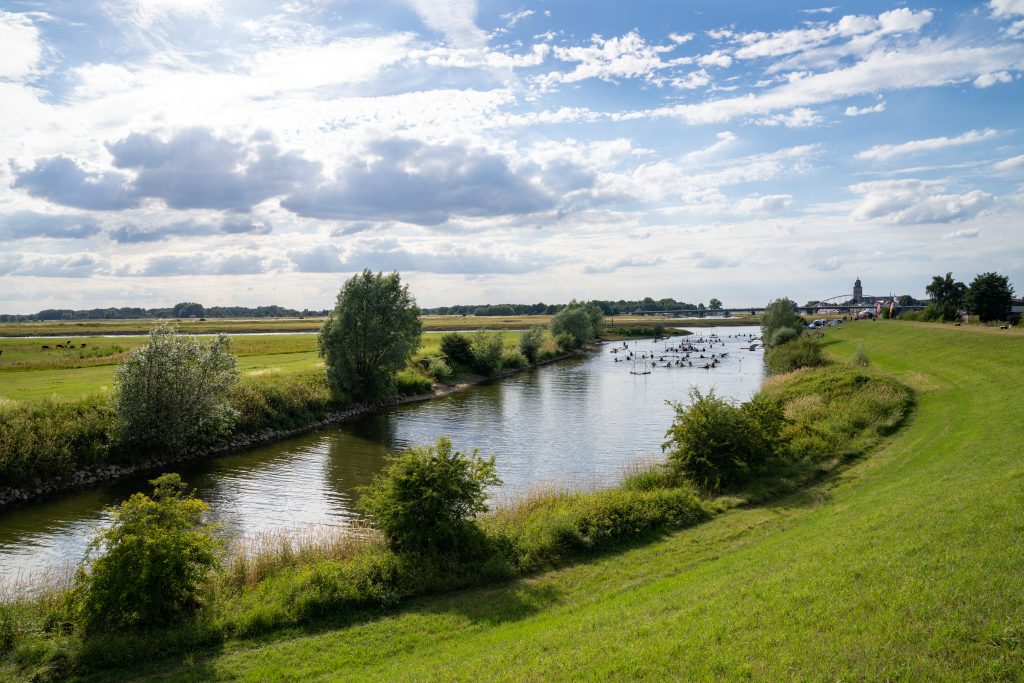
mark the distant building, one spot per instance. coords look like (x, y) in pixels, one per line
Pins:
(858, 292)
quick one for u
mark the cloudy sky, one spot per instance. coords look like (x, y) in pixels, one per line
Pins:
(255, 151)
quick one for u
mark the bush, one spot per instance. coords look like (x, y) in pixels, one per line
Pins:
(408, 382)
(439, 369)
(425, 499)
(155, 555)
(860, 358)
(46, 439)
(282, 400)
(457, 349)
(782, 336)
(566, 342)
(514, 360)
(488, 349)
(173, 392)
(370, 336)
(530, 343)
(581, 322)
(803, 352)
(717, 445)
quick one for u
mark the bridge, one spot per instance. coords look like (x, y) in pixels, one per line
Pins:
(756, 310)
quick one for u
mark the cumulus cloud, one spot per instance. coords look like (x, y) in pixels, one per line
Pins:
(80, 265)
(861, 111)
(414, 182)
(1006, 8)
(195, 169)
(885, 152)
(456, 19)
(134, 234)
(612, 59)
(764, 204)
(613, 265)
(1010, 165)
(801, 117)
(988, 80)
(916, 201)
(386, 255)
(22, 50)
(962, 234)
(61, 180)
(167, 265)
(29, 225)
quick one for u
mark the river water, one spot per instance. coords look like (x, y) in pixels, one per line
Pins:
(577, 422)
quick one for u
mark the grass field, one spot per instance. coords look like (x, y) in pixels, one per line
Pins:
(28, 372)
(907, 566)
(84, 328)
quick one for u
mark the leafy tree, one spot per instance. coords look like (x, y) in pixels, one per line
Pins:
(780, 314)
(457, 349)
(370, 335)
(582, 322)
(947, 296)
(425, 499)
(188, 309)
(989, 296)
(530, 343)
(151, 560)
(172, 393)
(715, 305)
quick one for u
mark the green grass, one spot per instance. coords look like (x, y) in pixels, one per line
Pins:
(906, 566)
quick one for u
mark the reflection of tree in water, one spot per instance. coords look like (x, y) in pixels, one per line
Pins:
(356, 452)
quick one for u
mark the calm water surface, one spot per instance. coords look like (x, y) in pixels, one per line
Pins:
(574, 422)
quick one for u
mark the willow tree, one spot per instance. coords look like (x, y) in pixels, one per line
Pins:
(370, 335)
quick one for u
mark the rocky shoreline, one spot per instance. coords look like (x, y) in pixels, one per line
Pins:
(89, 477)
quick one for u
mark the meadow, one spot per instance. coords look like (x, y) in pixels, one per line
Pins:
(905, 565)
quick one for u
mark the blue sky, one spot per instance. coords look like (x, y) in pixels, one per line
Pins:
(261, 152)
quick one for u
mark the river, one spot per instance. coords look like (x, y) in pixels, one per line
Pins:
(577, 422)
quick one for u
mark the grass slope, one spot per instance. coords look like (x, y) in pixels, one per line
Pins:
(905, 567)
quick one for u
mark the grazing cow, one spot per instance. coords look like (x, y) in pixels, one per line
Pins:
(60, 346)
(45, 347)
(83, 346)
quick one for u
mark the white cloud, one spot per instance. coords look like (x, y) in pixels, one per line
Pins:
(801, 117)
(1010, 165)
(724, 140)
(609, 59)
(1006, 8)
(680, 38)
(146, 13)
(861, 111)
(456, 19)
(716, 58)
(916, 201)
(513, 18)
(764, 204)
(988, 80)
(635, 261)
(885, 152)
(21, 50)
(962, 234)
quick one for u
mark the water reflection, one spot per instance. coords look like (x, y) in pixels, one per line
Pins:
(575, 422)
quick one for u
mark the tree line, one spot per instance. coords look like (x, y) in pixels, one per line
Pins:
(608, 307)
(185, 309)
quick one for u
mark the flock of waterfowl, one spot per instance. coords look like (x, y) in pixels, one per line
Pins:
(704, 352)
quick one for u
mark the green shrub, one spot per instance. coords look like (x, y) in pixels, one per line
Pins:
(778, 315)
(457, 349)
(514, 360)
(717, 445)
(530, 342)
(45, 439)
(439, 369)
(153, 559)
(582, 322)
(425, 499)
(860, 358)
(566, 342)
(783, 335)
(281, 400)
(172, 393)
(488, 349)
(408, 382)
(803, 352)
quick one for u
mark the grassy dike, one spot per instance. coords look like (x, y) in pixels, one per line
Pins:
(360, 599)
(904, 566)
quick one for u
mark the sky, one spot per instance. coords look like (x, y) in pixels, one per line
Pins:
(256, 152)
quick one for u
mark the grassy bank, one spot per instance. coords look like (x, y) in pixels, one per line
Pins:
(355, 584)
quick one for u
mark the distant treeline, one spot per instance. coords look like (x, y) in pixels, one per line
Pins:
(609, 307)
(183, 310)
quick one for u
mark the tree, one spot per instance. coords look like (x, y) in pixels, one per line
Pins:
(370, 335)
(947, 296)
(188, 309)
(172, 393)
(989, 296)
(530, 343)
(457, 349)
(154, 556)
(779, 314)
(581, 321)
(425, 499)
(715, 305)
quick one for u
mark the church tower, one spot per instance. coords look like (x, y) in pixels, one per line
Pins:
(858, 291)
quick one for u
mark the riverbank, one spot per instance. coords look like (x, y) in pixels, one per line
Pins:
(541, 530)
(124, 466)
